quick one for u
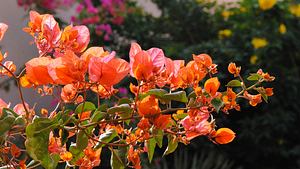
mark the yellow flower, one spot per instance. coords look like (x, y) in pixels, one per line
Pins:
(295, 10)
(226, 14)
(253, 59)
(243, 9)
(224, 33)
(259, 42)
(282, 28)
(266, 4)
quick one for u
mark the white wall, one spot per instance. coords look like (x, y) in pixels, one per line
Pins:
(16, 43)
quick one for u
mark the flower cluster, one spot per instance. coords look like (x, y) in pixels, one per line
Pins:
(100, 15)
(76, 130)
(49, 5)
(103, 15)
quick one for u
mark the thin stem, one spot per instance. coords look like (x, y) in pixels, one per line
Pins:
(251, 87)
(10, 72)
(55, 109)
(98, 97)
(109, 121)
(19, 89)
(243, 82)
(21, 73)
(107, 144)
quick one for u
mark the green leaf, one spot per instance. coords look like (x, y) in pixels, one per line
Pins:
(172, 145)
(19, 121)
(125, 101)
(31, 163)
(192, 102)
(103, 107)
(7, 121)
(158, 135)
(66, 117)
(76, 153)
(159, 93)
(115, 160)
(265, 97)
(192, 95)
(123, 152)
(179, 96)
(64, 136)
(151, 144)
(126, 114)
(254, 77)
(38, 139)
(9, 111)
(234, 83)
(106, 138)
(85, 106)
(98, 116)
(217, 103)
(180, 116)
(121, 108)
(81, 140)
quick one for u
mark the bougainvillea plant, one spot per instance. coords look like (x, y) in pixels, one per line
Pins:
(76, 130)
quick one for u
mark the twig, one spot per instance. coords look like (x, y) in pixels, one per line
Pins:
(19, 89)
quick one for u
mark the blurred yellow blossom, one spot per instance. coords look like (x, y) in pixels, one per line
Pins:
(243, 9)
(253, 59)
(282, 28)
(224, 33)
(295, 9)
(259, 42)
(266, 4)
(226, 14)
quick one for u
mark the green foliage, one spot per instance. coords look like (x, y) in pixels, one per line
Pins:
(158, 136)
(234, 83)
(179, 96)
(166, 97)
(37, 142)
(115, 160)
(151, 144)
(217, 103)
(172, 145)
(85, 106)
(7, 120)
(81, 140)
(106, 138)
(254, 77)
(156, 92)
(123, 108)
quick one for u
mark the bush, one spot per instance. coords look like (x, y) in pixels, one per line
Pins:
(77, 130)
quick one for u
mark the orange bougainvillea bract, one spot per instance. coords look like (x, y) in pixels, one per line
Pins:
(224, 135)
(3, 28)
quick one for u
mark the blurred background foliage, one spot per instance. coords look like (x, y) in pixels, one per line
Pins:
(253, 33)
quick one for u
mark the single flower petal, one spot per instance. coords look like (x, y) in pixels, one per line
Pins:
(3, 29)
